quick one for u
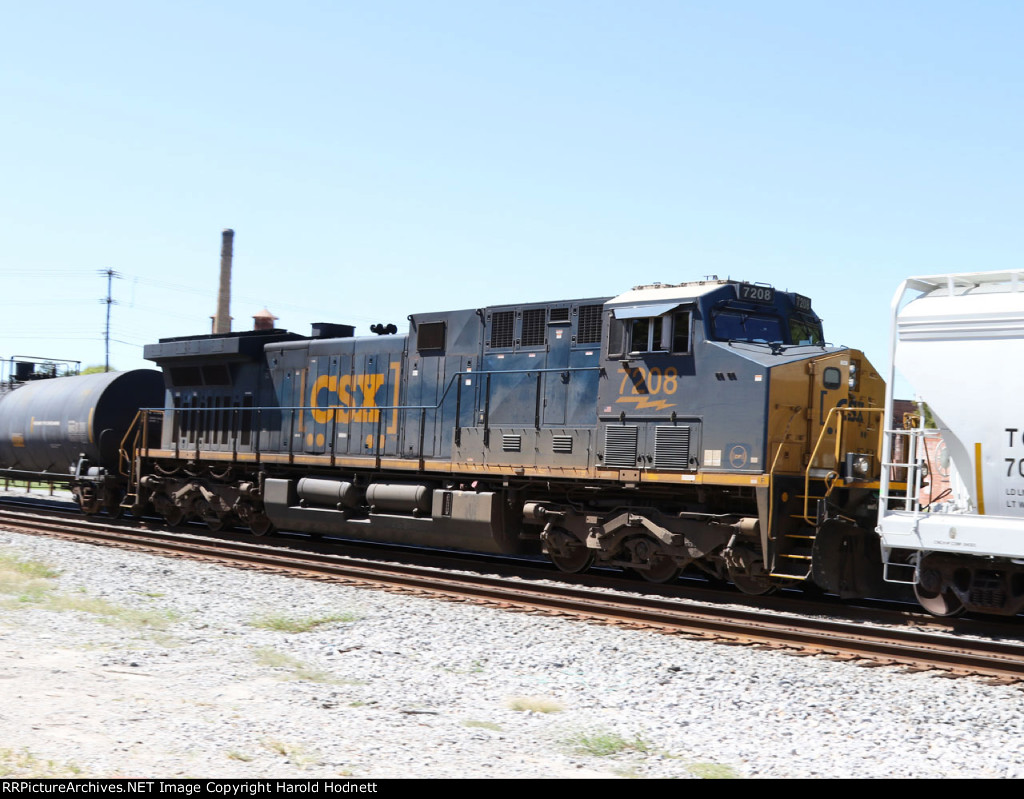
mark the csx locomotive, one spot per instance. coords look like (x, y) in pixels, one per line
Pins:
(705, 424)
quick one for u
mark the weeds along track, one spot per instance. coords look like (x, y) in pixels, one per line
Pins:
(893, 638)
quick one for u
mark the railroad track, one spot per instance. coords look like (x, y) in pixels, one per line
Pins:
(935, 648)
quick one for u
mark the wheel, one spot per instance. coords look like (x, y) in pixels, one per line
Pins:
(568, 554)
(662, 570)
(578, 559)
(213, 522)
(260, 524)
(751, 585)
(174, 516)
(939, 603)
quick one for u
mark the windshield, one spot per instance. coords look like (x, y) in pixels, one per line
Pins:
(742, 326)
(803, 331)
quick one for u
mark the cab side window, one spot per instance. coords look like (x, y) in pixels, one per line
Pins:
(681, 332)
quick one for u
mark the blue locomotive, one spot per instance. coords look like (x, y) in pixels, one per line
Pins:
(703, 424)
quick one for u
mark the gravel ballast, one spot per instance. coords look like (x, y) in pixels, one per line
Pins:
(130, 665)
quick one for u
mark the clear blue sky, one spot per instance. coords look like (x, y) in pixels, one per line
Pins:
(382, 158)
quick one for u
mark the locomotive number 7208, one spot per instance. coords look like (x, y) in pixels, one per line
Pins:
(649, 381)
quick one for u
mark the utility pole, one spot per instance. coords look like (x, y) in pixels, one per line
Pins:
(111, 274)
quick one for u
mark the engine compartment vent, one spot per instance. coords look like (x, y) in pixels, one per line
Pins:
(620, 447)
(672, 447)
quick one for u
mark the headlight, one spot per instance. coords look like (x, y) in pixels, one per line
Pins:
(858, 466)
(854, 375)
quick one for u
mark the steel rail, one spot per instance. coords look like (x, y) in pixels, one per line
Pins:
(803, 635)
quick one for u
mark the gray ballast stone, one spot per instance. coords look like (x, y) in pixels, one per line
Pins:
(404, 686)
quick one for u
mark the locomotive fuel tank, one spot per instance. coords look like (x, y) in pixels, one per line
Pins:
(48, 425)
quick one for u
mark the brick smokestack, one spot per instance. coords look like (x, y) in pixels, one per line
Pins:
(222, 322)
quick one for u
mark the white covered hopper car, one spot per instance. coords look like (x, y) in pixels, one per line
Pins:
(959, 341)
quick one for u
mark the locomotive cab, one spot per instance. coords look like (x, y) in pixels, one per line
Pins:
(725, 407)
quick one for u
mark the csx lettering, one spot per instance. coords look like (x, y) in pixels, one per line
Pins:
(345, 398)
(855, 416)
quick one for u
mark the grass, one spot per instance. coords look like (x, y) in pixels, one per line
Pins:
(240, 756)
(24, 764)
(297, 670)
(483, 725)
(535, 704)
(296, 753)
(25, 580)
(110, 613)
(28, 568)
(287, 624)
(31, 582)
(713, 771)
(605, 744)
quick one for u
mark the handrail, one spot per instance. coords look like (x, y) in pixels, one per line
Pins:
(143, 429)
(830, 478)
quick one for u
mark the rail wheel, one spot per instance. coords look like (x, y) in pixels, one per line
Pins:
(661, 569)
(260, 524)
(750, 584)
(174, 516)
(652, 563)
(567, 553)
(213, 522)
(939, 603)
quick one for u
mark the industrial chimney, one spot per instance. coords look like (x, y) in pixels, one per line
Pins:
(222, 322)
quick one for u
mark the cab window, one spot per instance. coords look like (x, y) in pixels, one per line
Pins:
(666, 333)
(731, 325)
(802, 331)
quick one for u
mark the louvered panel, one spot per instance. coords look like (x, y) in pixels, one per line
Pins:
(589, 325)
(672, 447)
(620, 447)
(511, 443)
(502, 327)
(561, 444)
(534, 328)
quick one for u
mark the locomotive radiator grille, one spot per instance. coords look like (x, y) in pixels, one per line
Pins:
(589, 325)
(672, 447)
(561, 444)
(511, 443)
(502, 328)
(534, 329)
(620, 447)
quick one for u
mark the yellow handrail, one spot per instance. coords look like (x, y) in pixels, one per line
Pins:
(831, 477)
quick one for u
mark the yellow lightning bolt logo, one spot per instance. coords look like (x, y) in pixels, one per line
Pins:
(643, 403)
